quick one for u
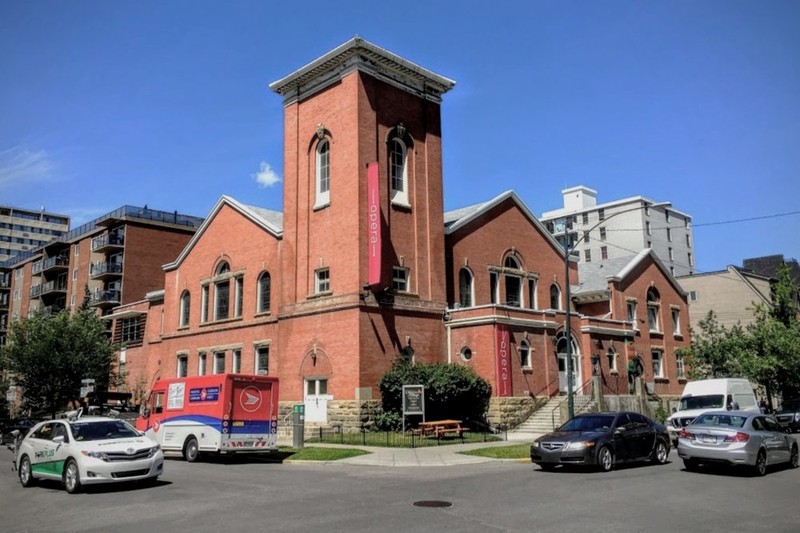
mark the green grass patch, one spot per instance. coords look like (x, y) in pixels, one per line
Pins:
(398, 440)
(516, 451)
(319, 454)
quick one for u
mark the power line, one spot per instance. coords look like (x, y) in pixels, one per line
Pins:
(734, 221)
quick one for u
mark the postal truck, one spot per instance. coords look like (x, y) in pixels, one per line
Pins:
(220, 413)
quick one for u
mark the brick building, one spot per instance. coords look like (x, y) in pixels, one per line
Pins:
(363, 265)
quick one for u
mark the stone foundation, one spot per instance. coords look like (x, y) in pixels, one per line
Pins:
(508, 413)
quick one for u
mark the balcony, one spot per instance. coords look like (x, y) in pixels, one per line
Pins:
(3, 304)
(36, 268)
(104, 298)
(50, 310)
(108, 241)
(55, 286)
(36, 290)
(55, 263)
(106, 270)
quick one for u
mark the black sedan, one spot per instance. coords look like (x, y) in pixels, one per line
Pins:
(23, 425)
(602, 440)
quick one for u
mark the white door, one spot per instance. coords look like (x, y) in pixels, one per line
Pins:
(316, 400)
(562, 373)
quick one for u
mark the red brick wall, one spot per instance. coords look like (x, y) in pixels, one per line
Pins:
(147, 250)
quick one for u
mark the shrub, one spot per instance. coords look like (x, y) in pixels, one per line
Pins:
(451, 390)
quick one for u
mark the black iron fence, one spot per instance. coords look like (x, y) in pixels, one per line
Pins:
(394, 439)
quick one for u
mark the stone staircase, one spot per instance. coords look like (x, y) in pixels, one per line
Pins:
(542, 420)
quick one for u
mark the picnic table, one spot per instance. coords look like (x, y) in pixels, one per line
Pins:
(441, 428)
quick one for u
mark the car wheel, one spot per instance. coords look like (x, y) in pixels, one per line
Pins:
(547, 467)
(25, 472)
(190, 450)
(690, 464)
(761, 463)
(794, 459)
(660, 453)
(605, 459)
(72, 477)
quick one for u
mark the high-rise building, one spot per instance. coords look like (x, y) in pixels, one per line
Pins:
(596, 232)
(22, 230)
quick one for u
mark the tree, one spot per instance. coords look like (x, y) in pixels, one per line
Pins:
(50, 355)
(715, 350)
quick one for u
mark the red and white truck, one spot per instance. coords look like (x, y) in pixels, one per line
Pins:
(220, 413)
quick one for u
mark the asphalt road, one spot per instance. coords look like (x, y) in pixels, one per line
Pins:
(498, 496)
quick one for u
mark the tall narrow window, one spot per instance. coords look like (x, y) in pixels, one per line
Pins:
(587, 255)
(185, 308)
(632, 313)
(532, 294)
(398, 171)
(513, 283)
(262, 360)
(183, 366)
(658, 364)
(681, 371)
(264, 282)
(493, 287)
(204, 304)
(555, 297)
(601, 214)
(236, 366)
(219, 363)
(323, 176)
(602, 234)
(238, 297)
(525, 354)
(676, 322)
(201, 367)
(612, 360)
(653, 309)
(465, 288)
(222, 293)
(604, 252)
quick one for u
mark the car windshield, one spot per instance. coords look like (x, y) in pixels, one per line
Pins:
(105, 429)
(790, 406)
(706, 401)
(589, 423)
(722, 420)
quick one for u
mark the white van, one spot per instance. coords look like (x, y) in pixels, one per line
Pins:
(706, 394)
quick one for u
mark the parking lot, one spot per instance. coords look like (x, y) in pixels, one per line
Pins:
(499, 495)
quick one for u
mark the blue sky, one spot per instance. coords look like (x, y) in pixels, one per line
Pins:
(104, 104)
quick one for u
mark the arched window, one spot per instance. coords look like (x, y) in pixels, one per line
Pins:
(222, 292)
(465, 288)
(555, 296)
(653, 308)
(513, 282)
(264, 282)
(323, 174)
(525, 354)
(398, 171)
(185, 309)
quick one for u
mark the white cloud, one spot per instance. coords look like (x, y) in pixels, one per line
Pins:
(19, 165)
(266, 177)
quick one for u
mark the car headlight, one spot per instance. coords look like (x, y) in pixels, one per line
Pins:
(536, 444)
(154, 450)
(579, 445)
(797, 417)
(95, 455)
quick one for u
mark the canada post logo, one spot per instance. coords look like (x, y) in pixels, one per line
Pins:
(250, 399)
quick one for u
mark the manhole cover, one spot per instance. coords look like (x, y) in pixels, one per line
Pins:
(432, 503)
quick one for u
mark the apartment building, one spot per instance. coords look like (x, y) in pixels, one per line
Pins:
(112, 260)
(596, 232)
(23, 230)
(363, 265)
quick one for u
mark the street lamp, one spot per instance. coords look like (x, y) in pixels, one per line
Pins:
(568, 325)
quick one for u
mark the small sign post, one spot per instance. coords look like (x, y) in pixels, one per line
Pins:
(413, 402)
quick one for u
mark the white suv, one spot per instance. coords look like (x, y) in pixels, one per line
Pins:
(86, 451)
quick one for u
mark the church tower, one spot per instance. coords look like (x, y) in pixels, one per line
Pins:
(363, 269)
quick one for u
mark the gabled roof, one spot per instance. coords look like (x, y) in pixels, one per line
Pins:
(458, 218)
(267, 219)
(364, 56)
(594, 276)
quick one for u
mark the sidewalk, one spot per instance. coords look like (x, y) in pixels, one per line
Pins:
(444, 455)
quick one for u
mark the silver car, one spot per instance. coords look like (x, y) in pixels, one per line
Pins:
(736, 438)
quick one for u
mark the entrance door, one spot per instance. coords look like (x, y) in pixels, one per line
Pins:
(562, 373)
(316, 400)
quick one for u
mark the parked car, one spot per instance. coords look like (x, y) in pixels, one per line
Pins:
(736, 438)
(23, 425)
(602, 440)
(788, 415)
(87, 451)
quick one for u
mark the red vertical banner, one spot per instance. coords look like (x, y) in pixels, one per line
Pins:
(503, 355)
(374, 224)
